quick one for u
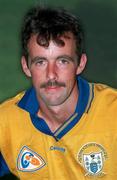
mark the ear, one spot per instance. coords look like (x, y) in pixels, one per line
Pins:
(81, 66)
(25, 66)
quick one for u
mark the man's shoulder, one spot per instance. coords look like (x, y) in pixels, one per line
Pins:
(105, 90)
(105, 96)
(11, 103)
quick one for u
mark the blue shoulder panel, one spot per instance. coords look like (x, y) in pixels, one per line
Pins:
(3, 167)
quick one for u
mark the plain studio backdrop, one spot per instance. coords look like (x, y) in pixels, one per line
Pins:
(100, 24)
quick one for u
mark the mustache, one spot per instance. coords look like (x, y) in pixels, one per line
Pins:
(52, 83)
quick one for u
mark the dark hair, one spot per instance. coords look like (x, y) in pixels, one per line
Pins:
(49, 24)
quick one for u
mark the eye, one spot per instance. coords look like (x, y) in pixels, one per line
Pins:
(63, 61)
(40, 62)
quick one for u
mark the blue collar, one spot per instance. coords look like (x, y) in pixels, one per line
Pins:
(30, 103)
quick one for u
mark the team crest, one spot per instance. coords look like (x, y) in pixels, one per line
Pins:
(29, 161)
(92, 157)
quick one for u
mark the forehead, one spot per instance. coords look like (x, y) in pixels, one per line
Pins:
(69, 45)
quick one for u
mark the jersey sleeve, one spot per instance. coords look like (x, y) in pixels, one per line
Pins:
(3, 166)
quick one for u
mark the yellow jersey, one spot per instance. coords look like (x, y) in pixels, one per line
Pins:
(83, 148)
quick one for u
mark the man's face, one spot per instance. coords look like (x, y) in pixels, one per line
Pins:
(53, 70)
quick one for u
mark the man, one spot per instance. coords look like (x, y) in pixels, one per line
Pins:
(63, 127)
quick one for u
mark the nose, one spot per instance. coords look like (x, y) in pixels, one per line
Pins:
(52, 71)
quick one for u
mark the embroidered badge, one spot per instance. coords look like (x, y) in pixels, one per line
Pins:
(29, 161)
(92, 157)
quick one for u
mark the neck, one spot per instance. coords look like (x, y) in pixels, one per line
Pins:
(55, 116)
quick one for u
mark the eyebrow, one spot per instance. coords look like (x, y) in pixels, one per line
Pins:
(37, 58)
(66, 57)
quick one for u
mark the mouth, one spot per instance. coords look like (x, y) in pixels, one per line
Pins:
(52, 87)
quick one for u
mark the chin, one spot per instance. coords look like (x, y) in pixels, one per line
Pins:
(54, 103)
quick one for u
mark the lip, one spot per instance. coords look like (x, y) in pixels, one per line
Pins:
(52, 88)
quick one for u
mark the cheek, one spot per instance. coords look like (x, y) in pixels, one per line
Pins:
(71, 78)
(69, 75)
(37, 77)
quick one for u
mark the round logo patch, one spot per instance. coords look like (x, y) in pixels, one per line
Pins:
(92, 157)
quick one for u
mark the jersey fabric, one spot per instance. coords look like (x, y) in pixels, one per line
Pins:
(82, 148)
